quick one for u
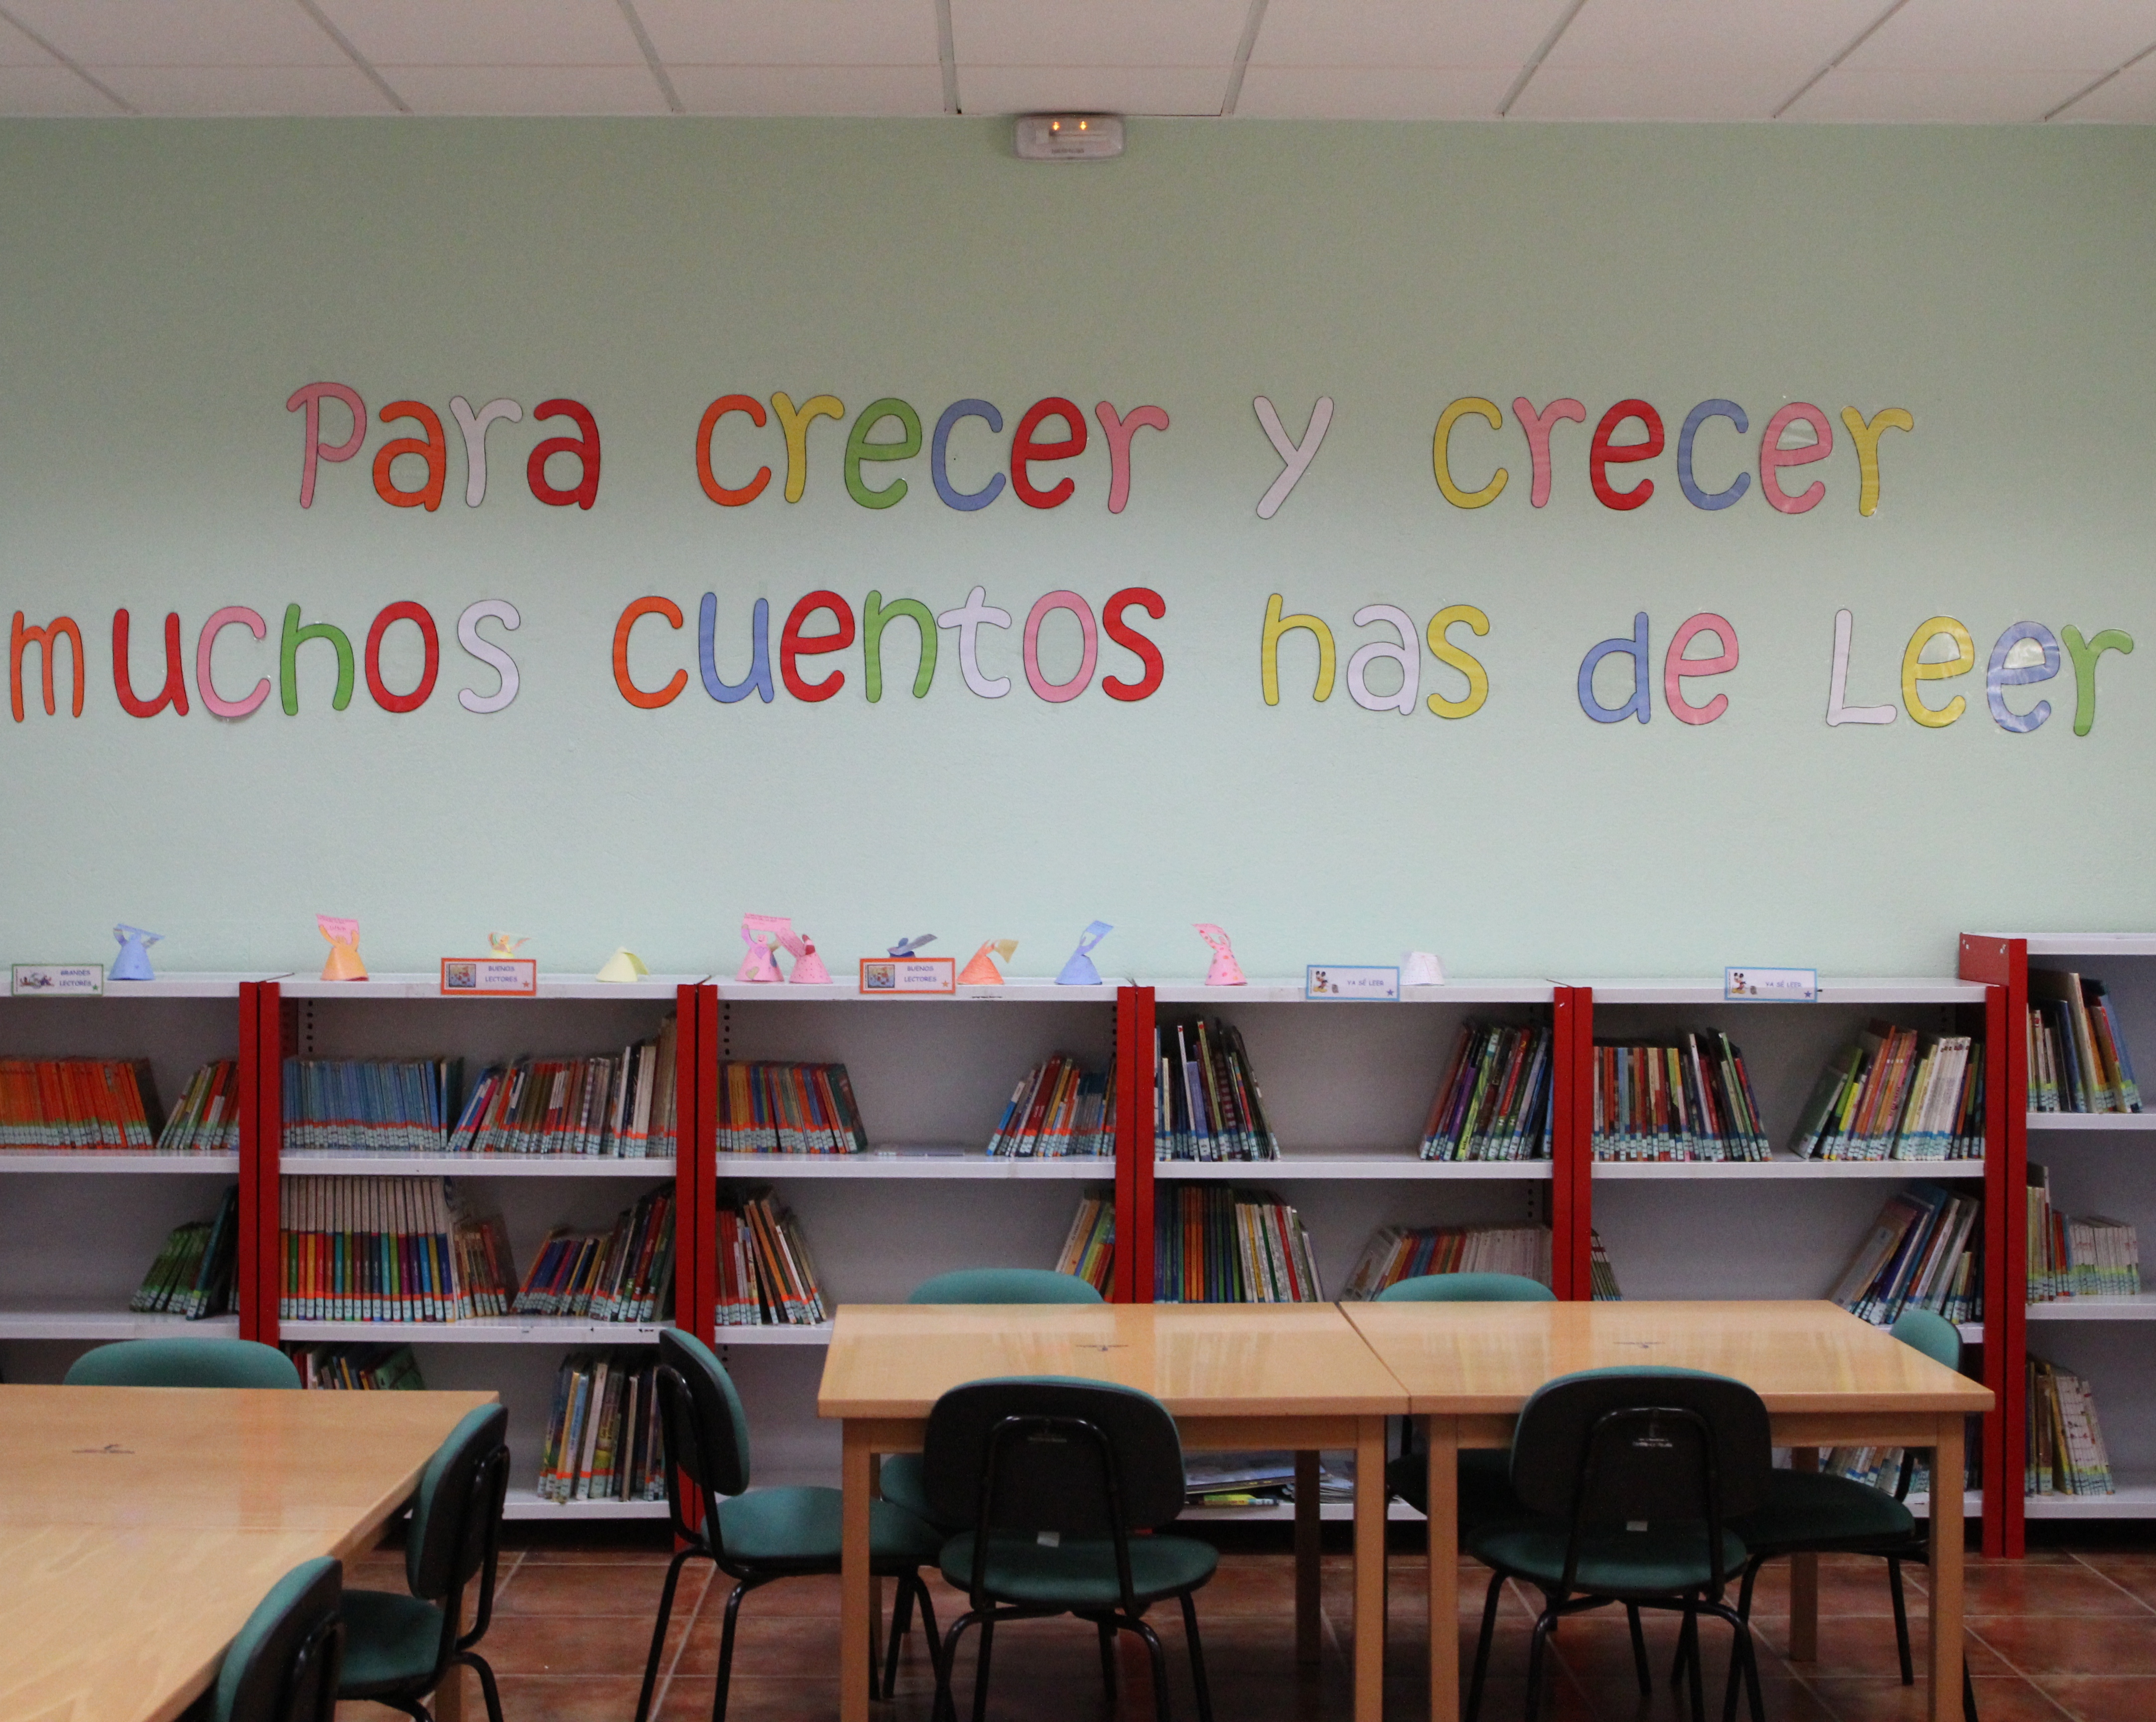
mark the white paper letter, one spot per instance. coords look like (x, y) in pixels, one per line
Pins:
(1838, 686)
(1297, 455)
(1407, 654)
(967, 621)
(474, 426)
(488, 653)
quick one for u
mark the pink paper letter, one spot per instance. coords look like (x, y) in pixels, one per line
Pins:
(1538, 426)
(233, 615)
(1120, 432)
(311, 398)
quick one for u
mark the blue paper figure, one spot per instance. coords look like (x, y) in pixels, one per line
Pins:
(1080, 971)
(133, 962)
(907, 946)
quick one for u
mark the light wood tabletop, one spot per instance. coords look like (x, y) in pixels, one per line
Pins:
(1235, 1377)
(142, 1525)
(1827, 1379)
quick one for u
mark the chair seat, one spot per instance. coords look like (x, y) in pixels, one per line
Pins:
(1486, 1486)
(797, 1529)
(1658, 1561)
(391, 1642)
(903, 1482)
(1080, 1575)
(1809, 1510)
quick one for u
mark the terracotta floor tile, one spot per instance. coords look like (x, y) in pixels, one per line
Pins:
(2135, 1574)
(2006, 1587)
(528, 1698)
(2095, 1698)
(2066, 1644)
(760, 1701)
(614, 1589)
(1863, 1700)
(1862, 1647)
(569, 1644)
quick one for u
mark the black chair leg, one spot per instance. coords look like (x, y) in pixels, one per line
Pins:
(659, 1634)
(1197, 1657)
(1536, 1646)
(727, 1653)
(487, 1689)
(1482, 1648)
(1967, 1693)
(981, 1671)
(1163, 1708)
(901, 1619)
(1639, 1649)
(1689, 1648)
(945, 1706)
(928, 1618)
(1901, 1621)
(1107, 1640)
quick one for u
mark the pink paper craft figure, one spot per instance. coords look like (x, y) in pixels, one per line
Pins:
(1226, 971)
(982, 970)
(343, 935)
(761, 934)
(809, 969)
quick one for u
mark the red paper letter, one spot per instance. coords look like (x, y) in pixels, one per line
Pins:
(431, 450)
(1111, 618)
(406, 612)
(175, 682)
(1602, 452)
(586, 450)
(48, 640)
(1024, 450)
(792, 643)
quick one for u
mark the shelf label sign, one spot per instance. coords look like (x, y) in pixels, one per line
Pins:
(1350, 983)
(490, 977)
(889, 977)
(56, 980)
(1772, 986)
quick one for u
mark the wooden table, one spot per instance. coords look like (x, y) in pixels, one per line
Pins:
(140, 1526)
(1828, 1380)
(1237, 1377)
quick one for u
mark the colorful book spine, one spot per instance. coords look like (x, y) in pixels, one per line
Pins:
(1089, 1251)
(766, 1276)
(1214, 1245)
(1394, 1253)
(388, 1249)
(77, 1105)
(369, 1369)
(1059, 1110)
(1494, 1102)
(1689, 1100)
(602, 1440)
(769, 1107)
(625, 1274)
(1924, 1252)
(192, 1273)
(1207, 1103)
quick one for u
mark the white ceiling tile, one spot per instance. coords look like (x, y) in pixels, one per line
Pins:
(845, 91)
(2127, 99)
(1962, 98)
(528, 89)
(488, 32)
(1643, 92)
(1098, 33)
(1392, 33)
(48, 91)
(1111, 90)
(181, 33)
(1691, 42)
(1374, 92)
(196, 91)
(18, 50)
(2009, 36)
(804, 33)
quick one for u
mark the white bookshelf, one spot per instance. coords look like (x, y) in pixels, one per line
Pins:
(524, 1504)
(937, 1163)
(79, 1165)
(2139, 1309)
(566, 1332)
(2098, 1123)
(1785, 1165)
(658, 1168)
(97, 1323)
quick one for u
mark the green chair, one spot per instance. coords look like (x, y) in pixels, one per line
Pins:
(1051, 1477)
(283, 1666)
(754, 1537)
(182, 1363)
(1812, 1513)
(399, 1649)
(1631, 1477)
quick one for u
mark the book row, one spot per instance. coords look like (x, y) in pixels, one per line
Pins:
(1059, 1109)
(767, 1107)
(2069, 1257)
(1089, 1251)
(1215, 1245)
(389, 1249)
(767, 1277)
(2077, 1057)
(192, 1272)
(357, 1368)
(623, 1274)
(50, 1105)
(1924, 1252)
(1893, 1094)
(602, 1439)
(1395, 1253)
(1206, 1103)
(1494, 1103)
(1679, 1102)
(2066, 1451)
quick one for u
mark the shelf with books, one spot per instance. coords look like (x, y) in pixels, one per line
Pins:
(525, 1503)
(1017, 990)
(2133, 1496)
(1397, 1168)
(552, 988)
(482, 1330)
(2141, 1307)
(911, 1162)
(80, 1161)
(1784, 1165)
(96, 1322)
(2101, 1123)
(359, 1164)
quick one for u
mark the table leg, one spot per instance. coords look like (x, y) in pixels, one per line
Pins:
(1309, 1570)
(855, 1598)
(1946, 1538)
(448, 1702)
(1443, 1483)
(877, 1610)
(1369, 1570)
(1804, 1582)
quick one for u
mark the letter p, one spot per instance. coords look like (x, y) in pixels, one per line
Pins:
(311, 398)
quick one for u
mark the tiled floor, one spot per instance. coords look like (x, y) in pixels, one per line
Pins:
(2060, 1635)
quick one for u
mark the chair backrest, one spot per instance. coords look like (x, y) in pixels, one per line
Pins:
(1934, 1336)
(1020, 1447)
(182, 1363)
(456, 1515)
(705, 1428)
(1466, 1288)
(1004, 1285)
(283, 1666)
(1591, 1443)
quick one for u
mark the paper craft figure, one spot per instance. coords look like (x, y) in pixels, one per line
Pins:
(809, 969)
(133, 962)
(1226, 971)
(624, 965)
(982, 971)
(760, 935)
(343, 935)
(1080, 971)
(907, 946)
(506, 944)
(1420, 969)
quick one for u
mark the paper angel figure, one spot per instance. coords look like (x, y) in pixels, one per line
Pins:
(343, 935)
(982, 971)
(1420, 969)
(809, 969)
(1226, 971)
(506, 944)
(133, 962)
(761, 934)
(1080, 971)
(624, 965)
(907, 947)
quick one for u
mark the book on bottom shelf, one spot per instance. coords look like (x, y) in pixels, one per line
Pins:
(766, 1275)
(602, 1439)
(1089, 1251)
(1396, 1253)
(2066, 1451)
(389, 1249)
(1212, 1245)
(192, 1272)
(2089, 1256)
(1602, 1276)
(357, 1368)
(1924, 1252)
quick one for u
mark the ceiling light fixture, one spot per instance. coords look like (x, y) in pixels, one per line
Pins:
(1070, 137)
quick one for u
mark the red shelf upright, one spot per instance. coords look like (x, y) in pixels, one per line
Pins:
(1572, 1157)
(696, 1163)
(2003, 965)
(1133, 1274)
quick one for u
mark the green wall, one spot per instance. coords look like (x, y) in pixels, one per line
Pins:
(164, 287)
